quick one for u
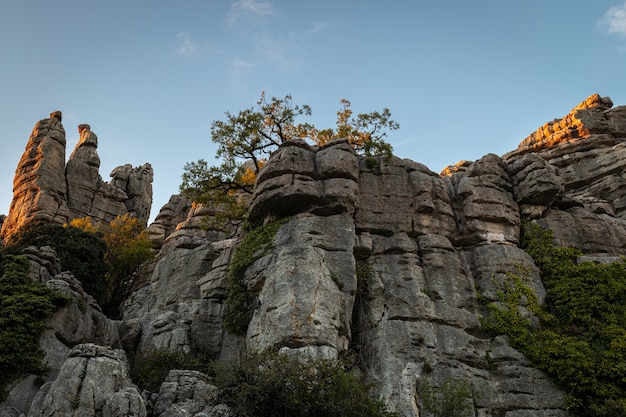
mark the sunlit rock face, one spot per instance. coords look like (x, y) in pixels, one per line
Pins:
(39, 188)
(46, 189)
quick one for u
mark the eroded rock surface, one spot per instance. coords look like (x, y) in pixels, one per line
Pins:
(384, 264)
(93, 381)
(46, 189)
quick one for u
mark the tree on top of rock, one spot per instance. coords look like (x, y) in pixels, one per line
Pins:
(246, 139)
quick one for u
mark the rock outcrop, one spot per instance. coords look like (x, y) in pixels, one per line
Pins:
(46, 189)
(93, 381)
(80, 321)
(383, 263)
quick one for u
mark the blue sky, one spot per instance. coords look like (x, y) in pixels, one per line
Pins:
(462, 78)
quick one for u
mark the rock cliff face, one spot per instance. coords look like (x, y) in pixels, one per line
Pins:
(384, 263)
(46, 189)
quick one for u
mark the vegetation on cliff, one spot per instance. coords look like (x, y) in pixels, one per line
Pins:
(246, 139)
(105, 259)
(580, 340)
(80, 251)
(24, 305)
(268, 384)
(257, 243)
(127, 250)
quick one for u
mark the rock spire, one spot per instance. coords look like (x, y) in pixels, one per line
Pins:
(46, 189)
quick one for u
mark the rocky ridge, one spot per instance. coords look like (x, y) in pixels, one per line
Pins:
(46, 189)
(425, 245)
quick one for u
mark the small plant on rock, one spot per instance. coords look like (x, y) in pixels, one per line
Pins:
(450, 399)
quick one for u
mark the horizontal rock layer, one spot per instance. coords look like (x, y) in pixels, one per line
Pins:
(382, 263)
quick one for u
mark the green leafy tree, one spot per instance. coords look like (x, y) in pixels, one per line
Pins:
(24, 305)
(246, 139)
(80, 251)
(127, 250)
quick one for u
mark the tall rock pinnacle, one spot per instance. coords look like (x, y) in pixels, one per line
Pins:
(39, 188)
(47, 190)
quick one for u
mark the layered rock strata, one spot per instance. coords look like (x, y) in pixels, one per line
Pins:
(384, 264)
(46, 189)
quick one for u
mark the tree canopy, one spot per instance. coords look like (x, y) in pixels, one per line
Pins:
(127, 250)
(246, 139)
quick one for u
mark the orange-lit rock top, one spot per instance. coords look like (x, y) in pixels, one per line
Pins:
(587, 118)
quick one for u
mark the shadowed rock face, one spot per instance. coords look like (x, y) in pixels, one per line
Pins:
(45, 189)
(387, 263)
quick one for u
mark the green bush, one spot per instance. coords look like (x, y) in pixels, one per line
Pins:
(450, 399)
(151, 368)
(581, 340)
(271, 385)
(80, 252)
(24, 305)
(277, 385)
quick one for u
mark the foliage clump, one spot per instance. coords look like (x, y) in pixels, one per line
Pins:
(257, 243)
(24, 305)
(106, 259)
(151, 368)
(80, 251)
(279, 385)
(449, 399)
(580, 341)
(246, 139)
(127, 250)
(268, 384)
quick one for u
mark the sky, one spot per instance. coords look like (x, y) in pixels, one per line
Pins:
(462, 78)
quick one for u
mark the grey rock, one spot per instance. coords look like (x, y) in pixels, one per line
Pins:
(299, 178)
(93, 381)
(48, 190)
(308, 286)
(39, 187)
(188, 393)
(174, 212)
(419, 197)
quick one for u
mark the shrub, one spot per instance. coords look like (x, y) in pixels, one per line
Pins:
(581, 340)
(127, 250)
(278, 385)
(450, 399)
(151, 368)
(269, 384)
(79, 251)
(24, 305)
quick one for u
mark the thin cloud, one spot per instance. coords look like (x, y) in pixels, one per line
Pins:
(615, 20)
(249, 10)
(186, 47)
(239, 64)
(316, 28)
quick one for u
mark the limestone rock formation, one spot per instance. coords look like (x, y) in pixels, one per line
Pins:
(384, 263)
(174, 212)
(188, 393)
(92, 381)
(45, 189)
(39, 187)
(80, 321)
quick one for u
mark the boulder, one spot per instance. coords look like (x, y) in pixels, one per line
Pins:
(300, 178)
(92, 381)
(188, 393)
